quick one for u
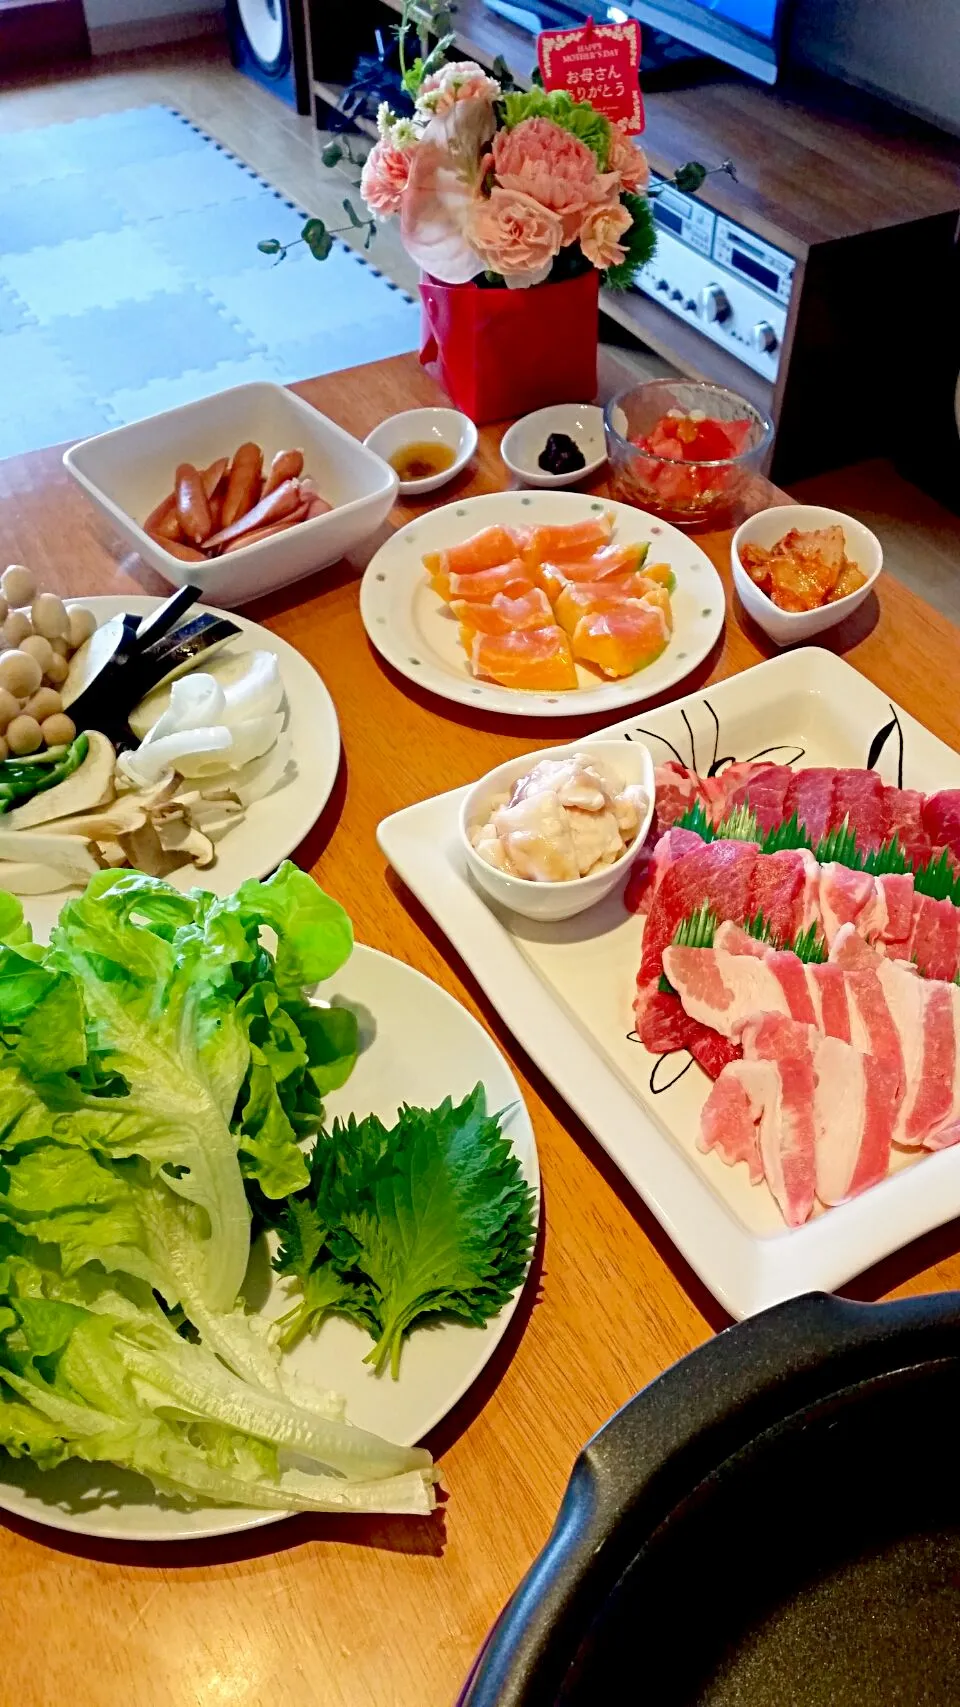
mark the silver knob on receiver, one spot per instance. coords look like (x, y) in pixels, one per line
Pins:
(763, 336)
(713, 303)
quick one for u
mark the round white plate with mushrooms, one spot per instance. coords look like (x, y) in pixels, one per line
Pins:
(237, 760)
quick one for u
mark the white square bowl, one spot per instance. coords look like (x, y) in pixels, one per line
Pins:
(788, 627)
(129, 470)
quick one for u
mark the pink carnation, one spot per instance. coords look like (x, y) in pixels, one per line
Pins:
(515, 235)
(461, 81)
(553, 167)
(628, 162)
(384, 177)
(600, 233)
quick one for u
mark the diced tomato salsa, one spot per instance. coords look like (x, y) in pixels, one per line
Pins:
(683, 440)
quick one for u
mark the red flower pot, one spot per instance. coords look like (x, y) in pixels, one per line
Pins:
(500, 352)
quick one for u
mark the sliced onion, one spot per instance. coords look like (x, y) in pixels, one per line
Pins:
(196, 702)
(174, 752)
(248, 740)
(262, 775)
(258, 693)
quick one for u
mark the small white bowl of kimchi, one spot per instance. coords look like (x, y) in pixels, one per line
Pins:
(791, 568)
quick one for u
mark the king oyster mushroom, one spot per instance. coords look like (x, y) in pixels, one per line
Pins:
(178, 835)
(71, 854)
(91, 785)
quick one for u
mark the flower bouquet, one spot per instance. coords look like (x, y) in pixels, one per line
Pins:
(516, 204)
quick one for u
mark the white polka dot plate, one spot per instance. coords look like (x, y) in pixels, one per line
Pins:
(416, 633)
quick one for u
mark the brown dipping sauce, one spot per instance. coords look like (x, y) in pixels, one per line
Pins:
(421, 460)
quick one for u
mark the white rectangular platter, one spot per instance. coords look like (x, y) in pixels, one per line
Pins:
(566, 990)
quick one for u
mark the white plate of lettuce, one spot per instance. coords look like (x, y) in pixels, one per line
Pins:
(157, 1064)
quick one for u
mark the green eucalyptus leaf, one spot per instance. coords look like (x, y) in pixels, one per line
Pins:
(332, 154)
(689, 178)
(352, 213)
(270, 246)
(317, 238)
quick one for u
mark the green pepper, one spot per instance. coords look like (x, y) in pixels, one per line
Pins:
(22, 778)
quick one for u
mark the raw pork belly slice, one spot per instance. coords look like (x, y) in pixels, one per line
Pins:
(723, 987)
(737, 882)
(818, 1111)
(792, 892)
(935, 940)
(732, 1113)
(778, 1101)
(906, 1025)
(850, 897)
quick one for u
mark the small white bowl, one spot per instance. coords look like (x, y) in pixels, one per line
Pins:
(416, 426)
(522, 443)
(126, 472)
(785, 627)
(630, 760)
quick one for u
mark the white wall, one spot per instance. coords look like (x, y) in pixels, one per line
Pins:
(906, 49)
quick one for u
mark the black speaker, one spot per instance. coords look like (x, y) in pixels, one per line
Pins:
(267, 43)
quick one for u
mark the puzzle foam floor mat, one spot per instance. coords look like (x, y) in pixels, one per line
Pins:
(130, 279)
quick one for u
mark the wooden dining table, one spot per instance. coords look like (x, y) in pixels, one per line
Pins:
(389, 1611)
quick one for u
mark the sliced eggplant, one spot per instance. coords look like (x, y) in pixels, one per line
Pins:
(106, 647)
(166, 616)
(111, 696)
(184, 647)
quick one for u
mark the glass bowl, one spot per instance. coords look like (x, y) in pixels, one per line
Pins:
(687, 493)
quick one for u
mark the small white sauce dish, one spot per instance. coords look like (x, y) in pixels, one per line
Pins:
(523, 443)
(423, 426)
(786, 627)
(631, 763)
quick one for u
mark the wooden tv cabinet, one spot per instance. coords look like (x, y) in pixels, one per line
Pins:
(865, 198)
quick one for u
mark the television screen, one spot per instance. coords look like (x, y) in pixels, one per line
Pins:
(758, 16)
(745, 33)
